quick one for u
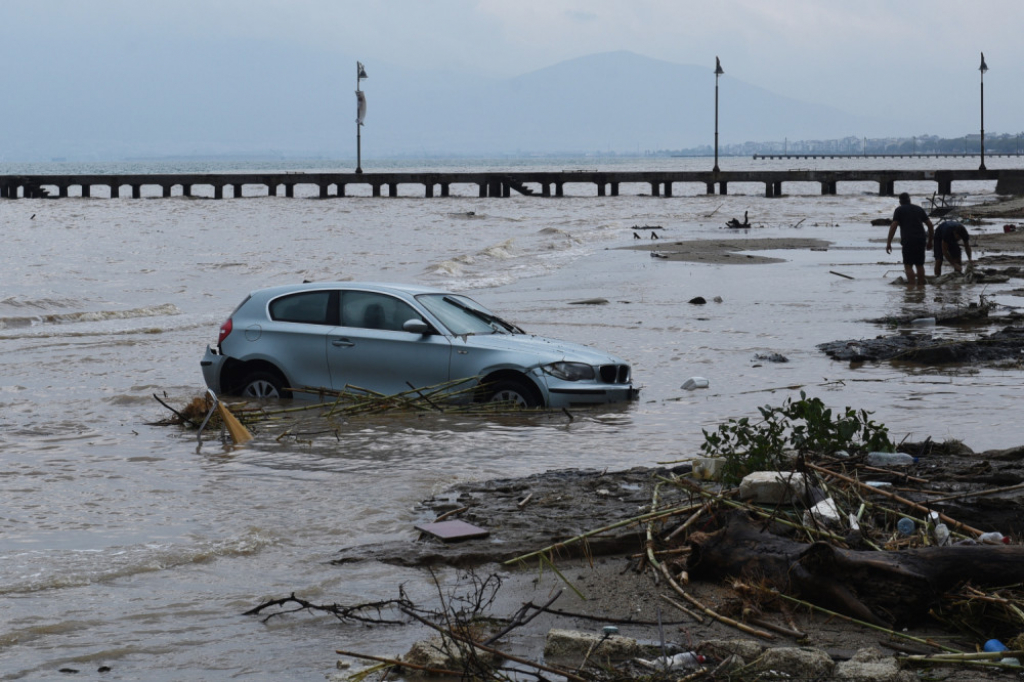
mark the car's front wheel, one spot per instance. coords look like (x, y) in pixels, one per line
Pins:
(515, 391)
(262, 384)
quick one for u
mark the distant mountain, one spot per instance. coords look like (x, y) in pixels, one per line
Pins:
(243, 98)
(616, 101)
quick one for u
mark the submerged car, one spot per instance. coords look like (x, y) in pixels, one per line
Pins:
(389, 338)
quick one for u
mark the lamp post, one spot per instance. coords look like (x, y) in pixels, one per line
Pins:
(360, 115)
(718, 72)
(983, 68)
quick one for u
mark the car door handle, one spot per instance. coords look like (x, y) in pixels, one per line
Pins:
(342, 343)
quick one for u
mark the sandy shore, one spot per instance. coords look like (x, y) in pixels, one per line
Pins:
(727, 251)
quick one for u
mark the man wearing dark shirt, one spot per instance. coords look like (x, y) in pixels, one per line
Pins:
(911, 219)
(946, 247)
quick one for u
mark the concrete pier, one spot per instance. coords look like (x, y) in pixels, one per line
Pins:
(489, 184)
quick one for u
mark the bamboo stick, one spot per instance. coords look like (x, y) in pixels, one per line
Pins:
(866, 624)
(898, 498)
(696, 616)
(590, 533)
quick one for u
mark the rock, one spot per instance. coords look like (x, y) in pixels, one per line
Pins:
(771, 357)
(431, 653)
(746, 649)
(802, 662)
(590, 301)
(872, 664)
(573, 645)
(697, 300)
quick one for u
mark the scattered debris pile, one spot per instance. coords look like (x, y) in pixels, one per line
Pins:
(807, 511)
(329, 409)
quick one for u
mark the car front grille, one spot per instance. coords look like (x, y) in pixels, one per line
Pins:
(614, 374)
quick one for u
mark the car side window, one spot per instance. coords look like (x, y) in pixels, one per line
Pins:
(368, 310)
(309, 307)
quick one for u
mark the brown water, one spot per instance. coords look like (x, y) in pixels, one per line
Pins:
(126, 545)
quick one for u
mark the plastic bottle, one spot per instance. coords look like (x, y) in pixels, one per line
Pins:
(993, 645)
(882, 459)
(906, 526)
(994, 538)
(687, 659)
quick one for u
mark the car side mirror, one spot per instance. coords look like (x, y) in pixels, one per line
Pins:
(416, 326)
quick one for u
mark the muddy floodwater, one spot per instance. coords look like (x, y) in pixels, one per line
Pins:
(128, 546)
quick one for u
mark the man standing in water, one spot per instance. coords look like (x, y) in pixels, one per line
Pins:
(911, 219)
(946, 247)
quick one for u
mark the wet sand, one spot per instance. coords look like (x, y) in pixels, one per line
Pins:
(727, 251)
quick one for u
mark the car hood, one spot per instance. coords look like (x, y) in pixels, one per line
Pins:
(546, 350)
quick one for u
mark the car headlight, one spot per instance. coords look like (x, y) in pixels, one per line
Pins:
(570, 371)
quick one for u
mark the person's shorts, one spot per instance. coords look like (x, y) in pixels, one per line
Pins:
(954, 252)
(913, 252)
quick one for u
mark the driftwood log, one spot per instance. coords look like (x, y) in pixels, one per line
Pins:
(884, 588)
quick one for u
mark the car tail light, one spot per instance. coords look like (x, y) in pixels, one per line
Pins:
(225, 329)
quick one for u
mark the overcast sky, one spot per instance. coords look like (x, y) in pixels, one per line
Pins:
(918, 57)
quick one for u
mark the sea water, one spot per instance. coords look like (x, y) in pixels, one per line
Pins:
(126, 544)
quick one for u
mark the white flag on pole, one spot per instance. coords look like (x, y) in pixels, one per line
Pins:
(360, 106)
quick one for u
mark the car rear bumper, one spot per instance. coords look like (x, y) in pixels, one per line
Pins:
(211, 364)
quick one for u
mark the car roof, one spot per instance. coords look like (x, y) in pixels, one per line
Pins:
(380, 287)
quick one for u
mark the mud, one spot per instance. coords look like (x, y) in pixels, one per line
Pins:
(925, 349)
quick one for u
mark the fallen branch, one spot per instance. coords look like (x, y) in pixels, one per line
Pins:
(397, 663)
(492, 650)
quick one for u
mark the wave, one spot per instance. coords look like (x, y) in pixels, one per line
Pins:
(17, 322)
(35, 571)
(41, 303)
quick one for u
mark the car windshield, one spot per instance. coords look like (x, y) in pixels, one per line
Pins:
(463, 315)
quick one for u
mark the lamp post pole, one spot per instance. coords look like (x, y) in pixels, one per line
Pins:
(718, 72)
(983, 68)
(360, 113)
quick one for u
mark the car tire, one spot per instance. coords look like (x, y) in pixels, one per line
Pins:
(262, 384)
(515, 391)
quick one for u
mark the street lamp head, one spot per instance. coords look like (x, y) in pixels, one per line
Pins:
(984, 67)
(719, 72)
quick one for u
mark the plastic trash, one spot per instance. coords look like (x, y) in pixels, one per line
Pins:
(994, 645)
(1010, 661)
(687, 659)
(879, 484)
(773, 487)
(890, 459)
(906, 526)
(695, 382)
(994, 538)
(941, 534)
(708, 468)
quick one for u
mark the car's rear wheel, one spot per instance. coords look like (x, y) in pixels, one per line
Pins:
(517, 392)
(262, 384)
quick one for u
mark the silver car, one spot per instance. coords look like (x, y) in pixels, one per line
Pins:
(389, 338)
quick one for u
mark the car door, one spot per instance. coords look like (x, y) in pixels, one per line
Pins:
(295, 337)
(370, 350)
